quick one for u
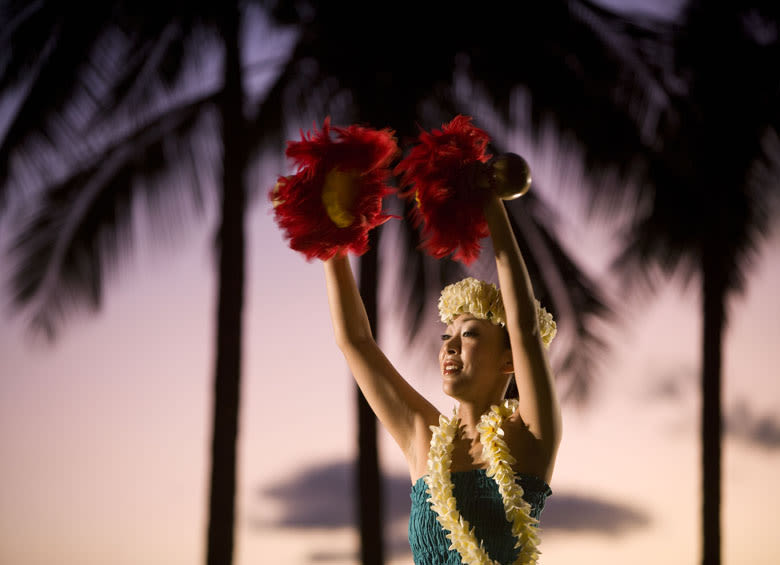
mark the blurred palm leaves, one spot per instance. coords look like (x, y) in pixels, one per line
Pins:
(113, 103)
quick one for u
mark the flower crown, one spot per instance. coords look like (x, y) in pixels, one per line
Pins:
(483, 300)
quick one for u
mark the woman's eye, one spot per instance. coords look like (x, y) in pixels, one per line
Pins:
(445, 337)
(469, 333)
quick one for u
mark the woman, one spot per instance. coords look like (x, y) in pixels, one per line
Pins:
(476, 361)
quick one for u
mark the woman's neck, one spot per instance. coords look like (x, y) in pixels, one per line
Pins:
(469, 414)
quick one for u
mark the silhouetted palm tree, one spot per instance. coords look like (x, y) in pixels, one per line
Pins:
(397, 70)
(113, 101)
(710, 184)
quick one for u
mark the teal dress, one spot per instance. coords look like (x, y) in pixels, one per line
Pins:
(480, 503)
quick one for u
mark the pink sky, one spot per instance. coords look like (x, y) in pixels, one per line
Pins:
(104, 437)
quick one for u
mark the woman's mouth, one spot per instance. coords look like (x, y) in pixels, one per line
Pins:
(450, 369)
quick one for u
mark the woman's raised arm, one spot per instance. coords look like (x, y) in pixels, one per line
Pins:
(539, 407)
(400, 408)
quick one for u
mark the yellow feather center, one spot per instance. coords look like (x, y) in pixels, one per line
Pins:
(338, 196)
(276, 199)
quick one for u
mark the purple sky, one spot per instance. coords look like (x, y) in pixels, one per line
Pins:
(104, 437)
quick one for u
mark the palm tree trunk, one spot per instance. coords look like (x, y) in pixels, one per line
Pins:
(230, 246)
(713, 299)
(369, 479)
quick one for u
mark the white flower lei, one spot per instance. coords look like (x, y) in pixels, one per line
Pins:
(442, 499)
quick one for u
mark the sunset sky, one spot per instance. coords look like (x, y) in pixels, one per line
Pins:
(105, 435)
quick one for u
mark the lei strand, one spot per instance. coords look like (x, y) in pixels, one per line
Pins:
(440, 488)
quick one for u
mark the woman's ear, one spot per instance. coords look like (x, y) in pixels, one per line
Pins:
(508, 366)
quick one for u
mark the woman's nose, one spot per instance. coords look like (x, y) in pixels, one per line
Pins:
(452, 345)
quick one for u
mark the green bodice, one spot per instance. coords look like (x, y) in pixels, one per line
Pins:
(479, 502)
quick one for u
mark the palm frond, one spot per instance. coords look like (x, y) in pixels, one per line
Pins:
(603, 81)
(710, 183)
(138, 75)
(566, 290)
(70, 37)
(81, 229)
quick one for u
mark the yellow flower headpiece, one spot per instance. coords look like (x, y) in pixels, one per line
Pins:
(483, 300)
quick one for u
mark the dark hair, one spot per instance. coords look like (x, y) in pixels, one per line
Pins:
(511, 391)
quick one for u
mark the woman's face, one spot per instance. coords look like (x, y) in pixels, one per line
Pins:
(474, 358)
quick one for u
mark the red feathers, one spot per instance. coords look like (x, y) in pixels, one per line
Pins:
(444, 175)
(328, 207)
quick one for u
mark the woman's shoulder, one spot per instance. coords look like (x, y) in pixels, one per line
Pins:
(528, 450)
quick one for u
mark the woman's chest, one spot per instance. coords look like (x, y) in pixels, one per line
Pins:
(468, 454)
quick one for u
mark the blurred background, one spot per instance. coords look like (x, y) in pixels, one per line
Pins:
(170, 390)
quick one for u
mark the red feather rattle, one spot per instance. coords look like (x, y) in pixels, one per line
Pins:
(450, 176)
(335, 198)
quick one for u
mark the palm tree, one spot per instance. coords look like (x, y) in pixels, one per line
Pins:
(709, 190)
(107, 95)
(391, 80)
